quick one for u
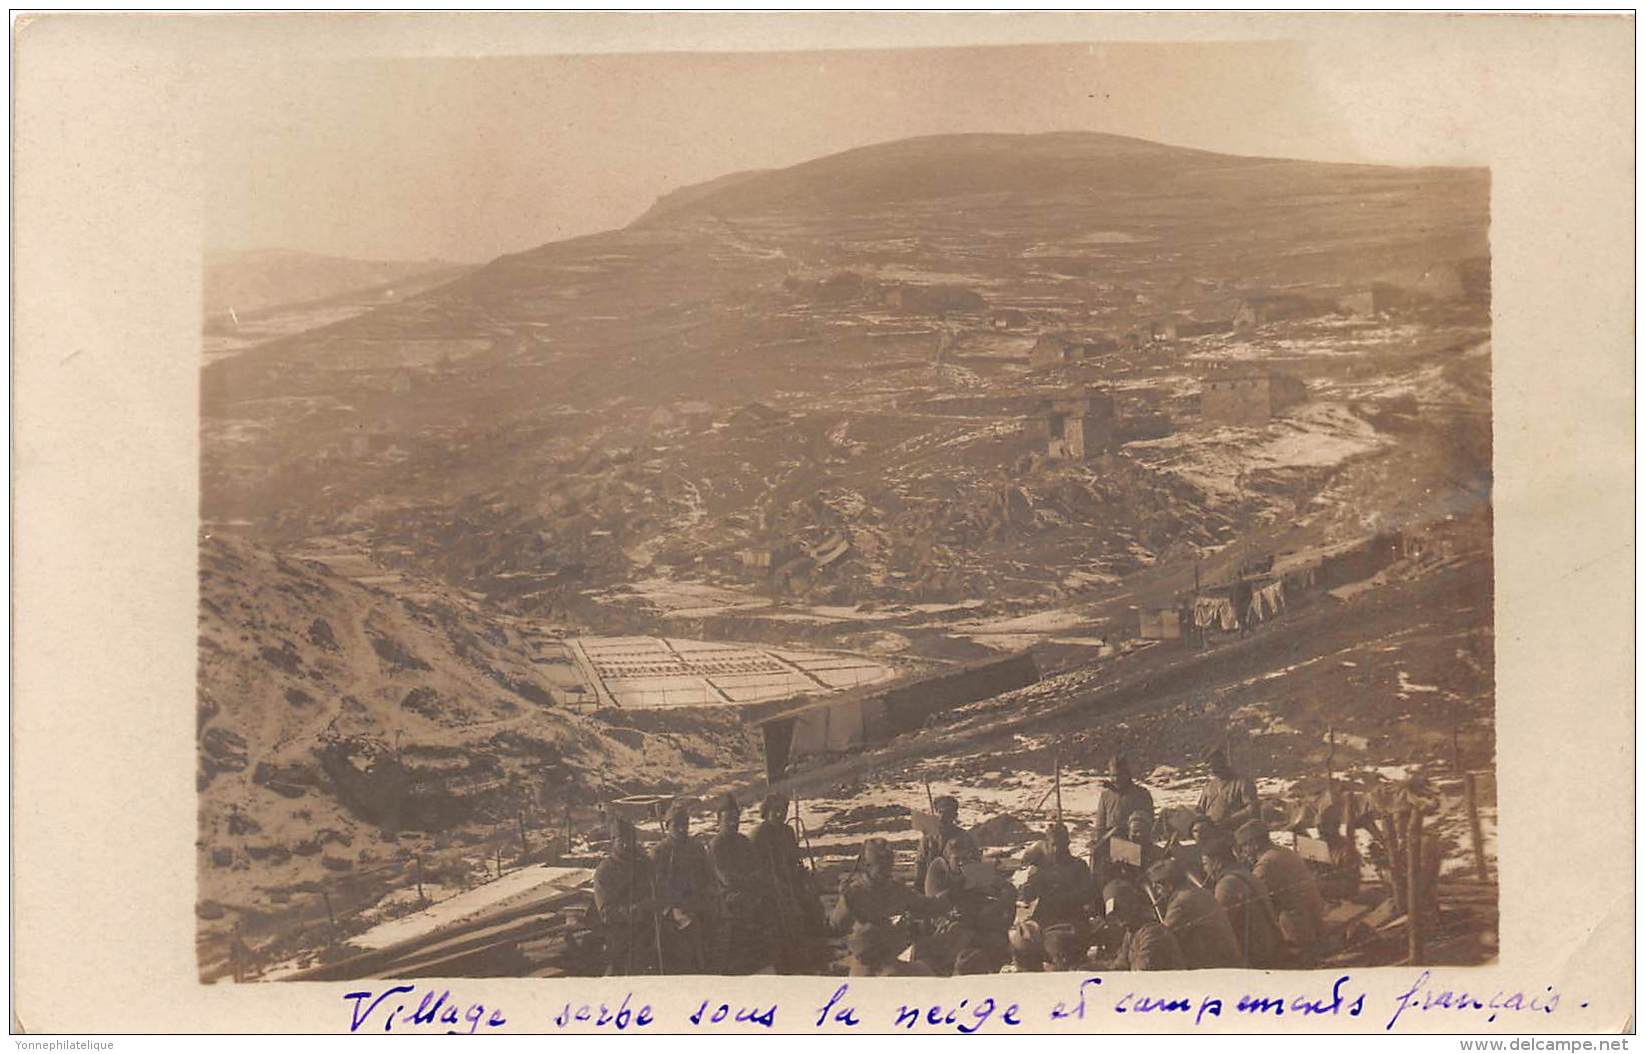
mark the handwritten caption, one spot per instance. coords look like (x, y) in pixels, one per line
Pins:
(406, 1008)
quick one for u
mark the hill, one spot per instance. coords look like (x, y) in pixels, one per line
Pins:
(254, 281)
(343, 731)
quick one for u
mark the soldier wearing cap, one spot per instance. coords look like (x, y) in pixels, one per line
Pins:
(1194, 917)
(1120, 800)
(970, 936)
(1299, 909)
(1228, 798)
(872, 911)
(747, 902)
(1245, 898)
(1145, 944)
(623, 901)
(947, 810)
(686, 896)
(1059, 887)
(799, 910)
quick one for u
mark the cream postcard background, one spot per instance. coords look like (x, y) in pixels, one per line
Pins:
(107, 233)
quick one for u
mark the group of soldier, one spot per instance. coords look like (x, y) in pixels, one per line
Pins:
(1230, 897)
(738, 905)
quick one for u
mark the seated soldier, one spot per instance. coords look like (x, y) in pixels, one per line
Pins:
(970, 936)
(1145, 943)
(1139, 831)
(1059, 887)
(947, 811)
(1299, 910)
(1194, 917)
(1245, 899)
(873, 911)
(1337, 820)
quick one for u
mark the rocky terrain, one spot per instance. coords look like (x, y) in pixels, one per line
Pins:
(806, 408)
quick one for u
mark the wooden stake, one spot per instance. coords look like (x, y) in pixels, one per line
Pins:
(417, 875)
(330, 914)
(1396, 861)
(524, 847)
(1056, 762)
(499, 860)
(1413, 888)
(1476, 833)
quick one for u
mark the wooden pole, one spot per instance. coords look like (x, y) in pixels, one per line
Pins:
(499, 860)
(330, 914)
(417, 874)
(1413, 888)
(1476, 833)
(525, 848)
(1396, 862)
(1056, 763)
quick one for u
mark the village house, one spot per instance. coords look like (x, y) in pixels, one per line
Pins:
(695, 416)
(1060, 349)
(1276, 307)
(1247, 399)
(1077, 426)
(1379, 299)
(1008, 319)
(765, 557)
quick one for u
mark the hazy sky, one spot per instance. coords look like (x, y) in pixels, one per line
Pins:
(466, 159)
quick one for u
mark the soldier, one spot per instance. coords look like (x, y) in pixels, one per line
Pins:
(1139, 831)
(1245, 899)
(871, 912)
(947, 810)
(623, 900)
(686, 896)
(1059, 887)
(747, 941)
(1228, 799)
(1299, 910)
(1194, 917)
(1337, 821)
(1145, 943)
(971, 936)
(1121, 798)
(799, 911)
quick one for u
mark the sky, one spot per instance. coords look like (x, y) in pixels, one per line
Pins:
(466, 159)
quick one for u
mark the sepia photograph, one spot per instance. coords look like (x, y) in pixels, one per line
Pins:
(878, 513)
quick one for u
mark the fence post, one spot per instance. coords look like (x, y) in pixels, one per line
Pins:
(330, 914)
(1396, 862)
(524, 847)
(1413, 887)
(417, 874)
(1476, 834)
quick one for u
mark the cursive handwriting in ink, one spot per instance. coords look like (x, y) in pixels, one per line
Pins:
(1131, 1003)
(1062, 1010)
(622, 1019)
(754, 1015)
(845, 1015)
(1301, 1004)
(433, 1010)
(1424, 996)
(965, 1018)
